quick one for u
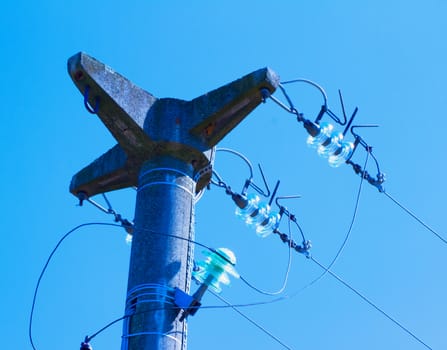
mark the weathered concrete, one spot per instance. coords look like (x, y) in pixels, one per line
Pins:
(164, 148)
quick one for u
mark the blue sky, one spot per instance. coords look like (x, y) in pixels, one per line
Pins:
(387, 57)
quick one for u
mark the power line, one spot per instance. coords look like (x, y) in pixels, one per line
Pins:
(33, 304)
(88, 338)
(397, 323)
(348, 234)
(228, 305)
(253, 322)
(286, 275)
(409, 212)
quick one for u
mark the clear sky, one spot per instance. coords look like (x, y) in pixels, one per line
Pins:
(387, 57)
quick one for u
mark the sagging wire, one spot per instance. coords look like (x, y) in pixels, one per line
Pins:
(249, 181)
(286, 275)
(372, 304)
(86, 345)
(259, 215)
(348, 233)
(36, 289)
(236, 307)
(339, 279)
(328, 142)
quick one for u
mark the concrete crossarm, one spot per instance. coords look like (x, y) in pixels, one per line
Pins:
(147, 127)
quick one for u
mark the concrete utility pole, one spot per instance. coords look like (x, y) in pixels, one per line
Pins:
(164, 148)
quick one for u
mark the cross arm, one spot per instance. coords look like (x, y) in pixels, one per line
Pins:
(121, 105)
(111, 171)
(219, 111)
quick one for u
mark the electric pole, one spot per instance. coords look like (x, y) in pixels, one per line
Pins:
(165, 149)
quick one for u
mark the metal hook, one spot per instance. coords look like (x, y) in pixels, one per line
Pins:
(86, 103)
(250, 183)
(342, 105)
(274, 193)
(283, 209)
(286, 197)
(358, 138)
(350, 121)
(362, 126)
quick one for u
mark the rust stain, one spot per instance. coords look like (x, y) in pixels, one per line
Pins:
(208, 130)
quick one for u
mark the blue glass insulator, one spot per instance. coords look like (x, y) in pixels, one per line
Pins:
(331, 145)
(259, 216)
(250, 209)
(216, 268)
(341, 155)
(270, 224)
(321, 137)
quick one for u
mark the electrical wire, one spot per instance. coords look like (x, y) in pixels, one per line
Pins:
(364, 298)
(286, 275)
(348, 234)
(228, 305)
(178, 237)
(88, 338)
(240, 155)
(68, 233)
(33, 304)
(253, 322)
(236, 306)
(409, 212)
(307, 81)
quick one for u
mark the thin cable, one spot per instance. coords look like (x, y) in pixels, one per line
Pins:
(300, 229)
(364, 298)
(123, 317)
(89, 338)
(415, 217)
(253, 322)
(240, 155)
(354, 216)
(109, 325)
(178, 237)
(311, 83)
(286, 275)
(348, 234)
(30, 333)
(54, 251)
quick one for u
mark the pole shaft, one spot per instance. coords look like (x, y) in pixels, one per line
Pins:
(169, 143)
(160, 262)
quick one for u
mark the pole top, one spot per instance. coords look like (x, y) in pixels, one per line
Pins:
(147, 127)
